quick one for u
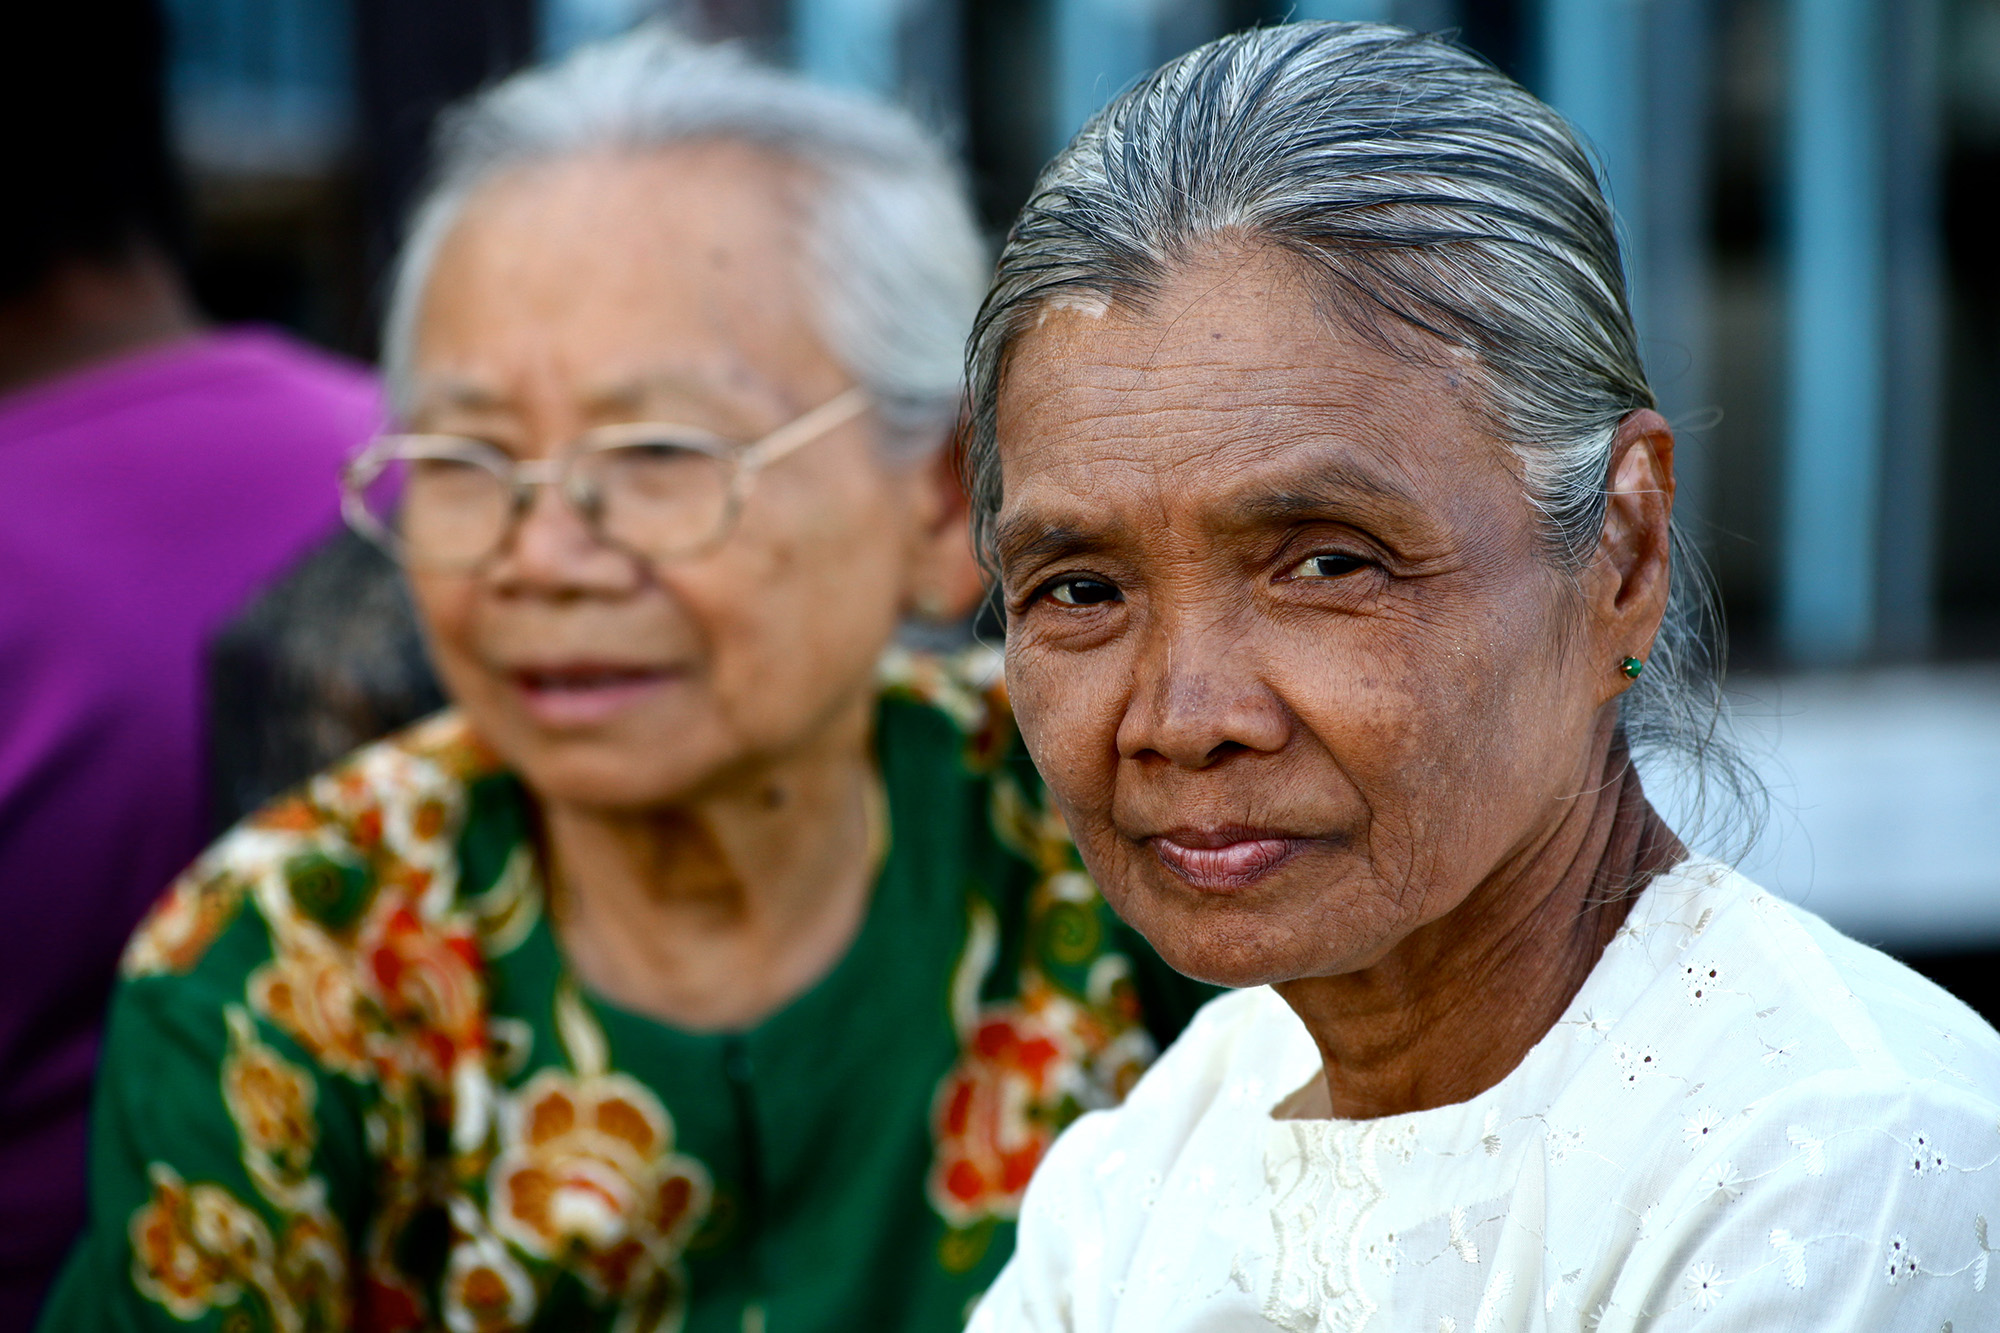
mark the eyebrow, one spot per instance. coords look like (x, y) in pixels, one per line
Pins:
(446, 393)
(630, 392)
(1328, 486)
(459, 395)
(1024, 538)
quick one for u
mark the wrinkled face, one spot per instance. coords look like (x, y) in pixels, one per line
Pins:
(658, 288)
(1280, 634)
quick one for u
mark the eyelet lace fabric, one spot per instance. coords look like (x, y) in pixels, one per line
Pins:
(1324, 1189)
(1743, 1121)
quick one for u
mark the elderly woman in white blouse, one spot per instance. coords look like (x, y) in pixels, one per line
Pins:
(1333, 519)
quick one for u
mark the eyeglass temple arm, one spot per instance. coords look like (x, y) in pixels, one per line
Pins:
(836, 411)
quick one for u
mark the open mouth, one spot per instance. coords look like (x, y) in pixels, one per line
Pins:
(585, 678)
(582, 694)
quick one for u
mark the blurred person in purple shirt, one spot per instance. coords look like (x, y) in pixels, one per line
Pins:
(152, 475)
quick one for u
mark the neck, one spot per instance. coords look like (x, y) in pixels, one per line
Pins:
(1460, 1002)
(89, 310)
(713, 913)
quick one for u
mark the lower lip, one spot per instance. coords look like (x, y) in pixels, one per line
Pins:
(589, 705)
(1236, 865)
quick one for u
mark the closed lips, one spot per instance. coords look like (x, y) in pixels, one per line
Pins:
(1224, 858)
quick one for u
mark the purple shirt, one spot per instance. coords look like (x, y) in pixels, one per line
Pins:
(141, 502)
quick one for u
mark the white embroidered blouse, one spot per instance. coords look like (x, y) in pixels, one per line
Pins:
(1744, 1121)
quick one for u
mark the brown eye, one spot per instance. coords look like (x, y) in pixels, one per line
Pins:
(1081, 592)
(1327, 565)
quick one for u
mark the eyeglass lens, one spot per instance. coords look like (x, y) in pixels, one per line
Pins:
(657, 498)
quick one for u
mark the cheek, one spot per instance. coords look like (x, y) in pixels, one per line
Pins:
(1443, 719)
(1472, 726)
(1068, 707)
(805, 600)
(448, 610)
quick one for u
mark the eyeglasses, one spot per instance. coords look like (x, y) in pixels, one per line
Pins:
(656, 490)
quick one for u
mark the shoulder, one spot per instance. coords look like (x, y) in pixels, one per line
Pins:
(1719, 1008)
(391, 811)
(1786, 998)
(271, 362)
(1847, 1198)
(956, 767)
(1832, 1062)
(357, 916)
(1757, 1111)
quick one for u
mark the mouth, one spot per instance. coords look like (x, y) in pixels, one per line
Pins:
(584, 693)
(1225, 859)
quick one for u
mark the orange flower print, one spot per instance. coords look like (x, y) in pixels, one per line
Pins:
(187, 919)
(446, 741)
(309, 993)
(197, 1247)
(293, 814)
(429, 820)
(428, 979)
(995, 1116)
(312, 1263)
(169, 1264)
(588, 1175)
(271, 1100)
(1025, 1070)
(485, 1288)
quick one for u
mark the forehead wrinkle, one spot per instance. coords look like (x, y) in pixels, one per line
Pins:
(1030, 528)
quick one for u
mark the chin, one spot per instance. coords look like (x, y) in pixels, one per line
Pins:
(600, 777)
(1236, 962)
(1220, 943)
(1242, 941)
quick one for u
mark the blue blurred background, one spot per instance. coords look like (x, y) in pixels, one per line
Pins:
(1807, 190)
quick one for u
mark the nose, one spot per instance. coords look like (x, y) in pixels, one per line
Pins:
(552, 548)
(1199, 698)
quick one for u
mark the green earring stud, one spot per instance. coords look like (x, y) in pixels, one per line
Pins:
(1631, 666)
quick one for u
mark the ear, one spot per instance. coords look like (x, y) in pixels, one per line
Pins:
(1628, 580)
(943, 579)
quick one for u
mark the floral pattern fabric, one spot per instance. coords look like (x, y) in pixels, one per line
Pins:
(350, 1083)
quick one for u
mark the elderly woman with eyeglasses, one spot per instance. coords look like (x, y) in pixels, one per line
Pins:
(697, 970)
(1333, 519)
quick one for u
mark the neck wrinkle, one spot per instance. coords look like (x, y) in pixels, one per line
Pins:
(1492, 982)
(714, 913)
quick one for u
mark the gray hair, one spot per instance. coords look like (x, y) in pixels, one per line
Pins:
(1425, 190)
(896, 258)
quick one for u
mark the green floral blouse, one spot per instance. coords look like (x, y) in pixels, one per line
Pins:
(349, 1082)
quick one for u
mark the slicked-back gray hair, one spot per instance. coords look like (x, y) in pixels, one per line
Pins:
(1425, 190)
(896, 258)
